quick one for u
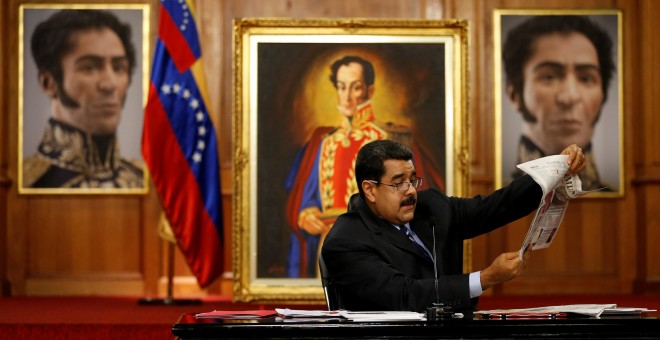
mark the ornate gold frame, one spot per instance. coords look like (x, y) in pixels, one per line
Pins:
(251, 37)
(138, 16)
(609, 127)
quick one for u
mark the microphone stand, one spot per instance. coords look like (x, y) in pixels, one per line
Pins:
(438, 311)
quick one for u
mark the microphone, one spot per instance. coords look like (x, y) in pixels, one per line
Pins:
(438, 311)
(435, 264)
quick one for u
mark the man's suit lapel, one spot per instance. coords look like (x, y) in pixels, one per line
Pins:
(384, 229)
(400, 240)
(425, 233)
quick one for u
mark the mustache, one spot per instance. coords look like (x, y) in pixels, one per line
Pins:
(409, 200)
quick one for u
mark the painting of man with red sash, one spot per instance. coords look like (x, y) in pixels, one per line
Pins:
(322, 178)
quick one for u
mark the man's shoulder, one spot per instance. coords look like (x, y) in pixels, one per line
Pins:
(429, 195)
(430, 200)
(348, 223)
(348, 218)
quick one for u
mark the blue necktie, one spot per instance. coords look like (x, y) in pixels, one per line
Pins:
(408, 234)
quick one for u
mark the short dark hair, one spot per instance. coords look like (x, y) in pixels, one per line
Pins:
(367, 69)
(370, 162)
(517, 48)
(51, 39)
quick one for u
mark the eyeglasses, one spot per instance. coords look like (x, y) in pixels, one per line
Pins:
(403, 186)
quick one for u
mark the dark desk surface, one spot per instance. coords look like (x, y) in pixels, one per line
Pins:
(646, 326)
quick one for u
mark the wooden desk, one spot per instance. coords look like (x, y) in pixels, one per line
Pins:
(646, 326)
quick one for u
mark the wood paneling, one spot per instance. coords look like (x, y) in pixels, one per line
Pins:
(108, 245)
(647, 147)
(5, 182)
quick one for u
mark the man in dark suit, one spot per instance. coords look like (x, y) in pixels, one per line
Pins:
(379, 255)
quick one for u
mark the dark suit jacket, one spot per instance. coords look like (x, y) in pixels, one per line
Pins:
(375, 267)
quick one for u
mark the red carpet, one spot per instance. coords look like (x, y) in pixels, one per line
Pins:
(122, 317)
(101, 317)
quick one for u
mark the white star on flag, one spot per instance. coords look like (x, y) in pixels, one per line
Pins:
(194, 103)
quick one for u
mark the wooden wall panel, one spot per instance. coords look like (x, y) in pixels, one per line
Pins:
(15, 224)
(647, 161)
(84, 235)
(108, 245)
(5, 182)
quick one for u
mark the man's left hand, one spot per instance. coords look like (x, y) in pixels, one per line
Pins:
(576, 159)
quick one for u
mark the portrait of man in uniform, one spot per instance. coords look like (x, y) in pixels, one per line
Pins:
(83, 78)
(560, 86)
(332, 100)
(306, 100)
(322, 179)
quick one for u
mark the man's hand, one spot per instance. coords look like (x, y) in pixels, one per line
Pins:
(576, 159)
(310, 221)
(505, 267)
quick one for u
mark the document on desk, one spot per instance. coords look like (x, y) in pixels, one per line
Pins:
(236, 314)
(558, 189)
(352, 316)
(627, 311)
(594, 310)
(305, 313)
(382, 316)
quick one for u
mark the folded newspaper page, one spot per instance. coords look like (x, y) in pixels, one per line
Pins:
(558, 189)
(371, 316)
(594, 310)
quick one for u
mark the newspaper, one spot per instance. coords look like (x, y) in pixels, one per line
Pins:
(558, 189)
(303, 313)
(371, 316)
(594, 310)
(351, 316)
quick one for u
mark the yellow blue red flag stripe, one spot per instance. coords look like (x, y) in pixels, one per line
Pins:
(179, 143)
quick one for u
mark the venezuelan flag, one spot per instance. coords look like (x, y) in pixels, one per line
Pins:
(179, 142)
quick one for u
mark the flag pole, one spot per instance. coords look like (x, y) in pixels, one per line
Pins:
(165, 232)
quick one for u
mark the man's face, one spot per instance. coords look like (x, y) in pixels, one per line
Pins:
(396, 207)
(95, 79)
(351, 88)
(562, 91)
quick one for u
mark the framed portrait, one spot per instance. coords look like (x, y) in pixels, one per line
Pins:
(81, 99)
(558, 81)
(308, 93)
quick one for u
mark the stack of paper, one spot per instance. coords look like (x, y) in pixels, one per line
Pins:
(626, 311)
(584, 309)
(301, 313)
(382, 316)
(236, 314)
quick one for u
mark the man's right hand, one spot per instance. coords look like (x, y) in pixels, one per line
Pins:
(505, 267)
(310, 221)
